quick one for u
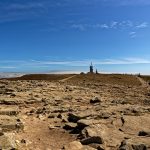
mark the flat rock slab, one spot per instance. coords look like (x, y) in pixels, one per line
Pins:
(7, 142)
(100, 133)
(70, 126)
(134, 124)
(73, 146)
(87, 122)
(10, 123)
(74, 117)
(77, 146)
(7, 110)
(9, 102)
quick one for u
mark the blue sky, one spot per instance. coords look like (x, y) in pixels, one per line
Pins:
(66, 35)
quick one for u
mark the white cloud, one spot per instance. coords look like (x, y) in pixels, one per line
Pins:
(76, 63)
(126, 61)
(104, 26)
(127, 2)
(142, 25)
(126, 26)
(78, 26)
(76, 66)
(24, 6)
(132, 34)
(7, 67)
(112, 25)
(133, 2)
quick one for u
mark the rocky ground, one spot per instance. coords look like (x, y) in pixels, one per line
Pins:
(78, 112)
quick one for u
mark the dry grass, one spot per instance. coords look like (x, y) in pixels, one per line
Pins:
(49, 77)
(128, 80)
(119, 79)
(146, 78)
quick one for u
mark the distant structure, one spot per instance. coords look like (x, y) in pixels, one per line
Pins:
(91, 68)
(96, 71)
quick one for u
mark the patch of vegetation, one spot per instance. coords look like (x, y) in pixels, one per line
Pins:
(49, 77)
(146, 78)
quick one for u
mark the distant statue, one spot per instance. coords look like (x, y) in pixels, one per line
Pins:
(91, 68)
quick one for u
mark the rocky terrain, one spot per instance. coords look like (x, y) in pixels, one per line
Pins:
(75, 112)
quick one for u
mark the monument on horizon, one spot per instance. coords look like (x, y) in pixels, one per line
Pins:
(91, 68)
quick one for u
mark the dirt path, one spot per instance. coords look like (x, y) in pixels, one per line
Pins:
(38, 136)
(144, 83)
(66, 79)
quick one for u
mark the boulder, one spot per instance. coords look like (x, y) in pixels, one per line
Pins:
(74, 117)
(86, 122)
(125, 145)
(91, 135)
(76, 128)
(134, 124)
(70, 126)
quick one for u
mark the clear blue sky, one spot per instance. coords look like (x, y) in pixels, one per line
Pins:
(66, 35)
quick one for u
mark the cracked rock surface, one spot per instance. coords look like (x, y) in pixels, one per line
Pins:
(75, 112)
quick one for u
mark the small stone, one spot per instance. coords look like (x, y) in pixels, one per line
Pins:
(104, 115)
(52, 127)
(144, 133)
(1, 133)
(23, 141)
(95, 100)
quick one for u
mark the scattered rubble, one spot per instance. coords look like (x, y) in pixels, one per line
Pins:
(77, 114)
